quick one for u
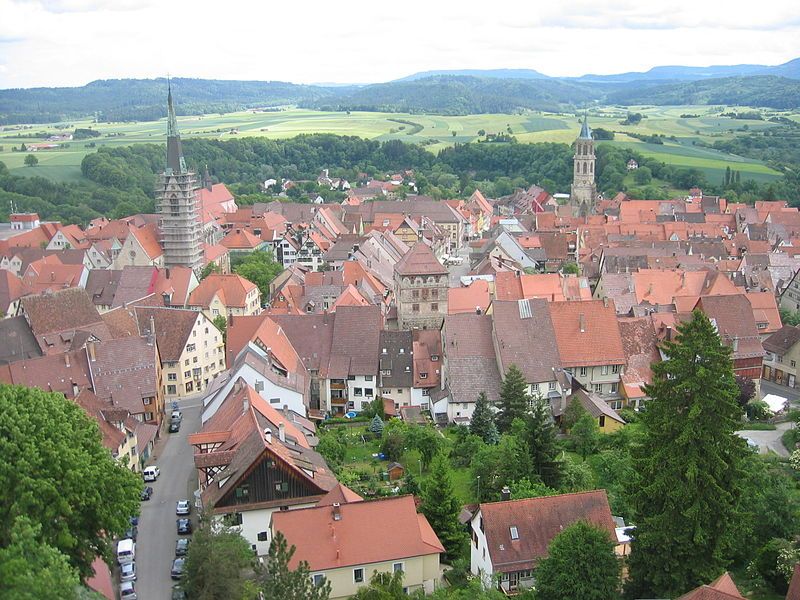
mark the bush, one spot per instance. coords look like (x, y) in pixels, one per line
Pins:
(794, 460)
(758, 410)
(765, 564)
(629, 415)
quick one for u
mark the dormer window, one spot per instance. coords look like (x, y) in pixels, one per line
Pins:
(434, 357)
(423, 375)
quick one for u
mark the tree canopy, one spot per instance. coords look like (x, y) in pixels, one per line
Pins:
(441, 507)
(56, 472)
(259, 267)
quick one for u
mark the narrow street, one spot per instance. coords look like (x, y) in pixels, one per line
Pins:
(155, 547)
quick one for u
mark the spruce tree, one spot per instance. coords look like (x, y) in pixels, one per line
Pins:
(482, 423)
(540, 438)
(513, 399)
(441, 507)
(688, 467)
(278, 582)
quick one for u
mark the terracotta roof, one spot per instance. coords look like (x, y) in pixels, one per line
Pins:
(520, 327)
(639, 341)
(147, 237)
(139, 282)
(173, 328)
(93, 406)
(238, 239)
(125, 371)
(765, 311)
(366, 532)
(427, 345)
(587, 333)
(538, 521)
(419, 260)
(60, 311)
(101, 581)
(662, 286)
(310, 335)
(722, 589)
(11, 289)
(54, 373)
(733, 317)
(468, 298)
(50, 275)
(794, 584)
(550, 286)
(341, 494)
(782, 340)
(232, 291)
(471, 361)
(356, 335)
(271, 338)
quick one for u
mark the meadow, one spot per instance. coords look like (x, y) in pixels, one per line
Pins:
(433, 131)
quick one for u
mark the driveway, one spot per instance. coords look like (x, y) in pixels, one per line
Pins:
(768, 441)
(155, 546)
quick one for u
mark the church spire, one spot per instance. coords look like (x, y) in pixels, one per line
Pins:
(175, 161)
(586, 132)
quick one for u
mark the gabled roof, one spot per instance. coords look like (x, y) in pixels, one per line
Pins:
(525, 337)
(124, 370)
(18, 341)
(147, 237)
(427, 358)
(173, 328)
(587, 333)
(469, 298)
(640, 342)
(231, 289)
(722, 589)
(356, 335)
(241, 239)
(396, 355)
(101, 285)
(733, 318)
(54, 373)
(419, 260)
(11, 289)
(365, 532)
(339, 494)
(136, 283)
(782, 340)
(471, 361)
(538, 521)
(60, 311)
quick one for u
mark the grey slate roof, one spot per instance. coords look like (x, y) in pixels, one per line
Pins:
(395, 356)
(471, 362)
(18, 341)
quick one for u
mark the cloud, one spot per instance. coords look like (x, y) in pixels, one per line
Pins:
(83, 6)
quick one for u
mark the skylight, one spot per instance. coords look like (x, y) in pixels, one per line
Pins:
(514, 533)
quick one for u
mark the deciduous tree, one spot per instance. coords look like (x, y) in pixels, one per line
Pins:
(586, 435)
(580, 563)
(688, 468)
(57, 473)
(260, 268)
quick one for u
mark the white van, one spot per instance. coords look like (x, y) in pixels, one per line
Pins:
(126, 551)
(151, 473)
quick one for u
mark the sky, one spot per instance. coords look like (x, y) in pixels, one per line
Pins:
(73, 42)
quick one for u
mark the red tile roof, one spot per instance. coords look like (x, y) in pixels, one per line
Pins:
(722, 589)
(469, 298)
(11, 289)
(232, 291)
(366, 532)
(173, 328)
(587, 333)
(341, 494)
(241, 239)
(419, 260)
(538, 521)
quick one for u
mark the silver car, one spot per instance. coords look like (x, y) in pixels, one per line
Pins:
(183, 507)
(127, 572)
(127, 591)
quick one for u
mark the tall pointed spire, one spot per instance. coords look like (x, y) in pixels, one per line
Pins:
(586, 132)
(175, 160)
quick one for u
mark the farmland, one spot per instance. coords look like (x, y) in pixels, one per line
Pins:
(681, 134)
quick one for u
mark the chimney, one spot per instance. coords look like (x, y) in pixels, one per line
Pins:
(75, 389)
(582, 322)
(245, 404)
(735, 344)
(268, 435)
(605, 301)
(286, 411)
(66, 359)
(505, 493)
(282, 432)
(477, 310)
(91, 350)
(152, 335)
(337, 513)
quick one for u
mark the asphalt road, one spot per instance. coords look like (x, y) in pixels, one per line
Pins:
(768, 440)
(155, 546)
(769, 387)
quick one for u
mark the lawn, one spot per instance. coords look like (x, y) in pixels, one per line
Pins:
(436, 131)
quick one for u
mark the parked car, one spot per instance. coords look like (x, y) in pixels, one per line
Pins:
(176, 415)
(183, 507)
(178, 593)
(132, 532)
(127, 572)
(181, 546)
(127, 591)
(184, 526)
(151, 473)
(147, 492)
(177, 568)
(126, 551)
(175, 427)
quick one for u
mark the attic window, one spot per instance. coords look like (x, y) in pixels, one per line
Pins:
(423, 375)
(434, 357)
(514, 533)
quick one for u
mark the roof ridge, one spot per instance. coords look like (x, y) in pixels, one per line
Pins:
(543, 497)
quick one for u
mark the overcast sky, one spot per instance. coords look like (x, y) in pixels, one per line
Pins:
(72, 42)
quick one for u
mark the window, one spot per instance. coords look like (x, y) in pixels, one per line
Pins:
(358, 575)
(172, 377)
(434, 357)
(186, 363)
(551, 386)
(386, 373)
(189, 387)
(615, 368)
(171, 389)
(415, 308)
(148, 416)
(399, 391)
(614, 388)
(194, 360)
(282, 486)
(397, 567)
(602, 420)
(415, 294)
(318, 579)
(274, 400)
(604, 370)
(514, 533)
(242, 492)
(367, 377)
(232, 519)
(583, 371)
(598, 388)
(794, 363)
(534, 387)
(187, 374)
(368, 392)
(423, 375)
(190, 347)
(435, 307)
(426, 392)
(358, 391)
(147, 401)
(262, 536)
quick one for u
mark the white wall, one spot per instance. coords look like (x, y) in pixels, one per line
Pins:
(418, 398)
(479, 561)
(360, 381)
(257, 521)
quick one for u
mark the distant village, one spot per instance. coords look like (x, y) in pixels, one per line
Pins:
(415, 303)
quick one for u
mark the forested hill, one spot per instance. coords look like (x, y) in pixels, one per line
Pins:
(463, 95)
(144, 99)
(760, 90)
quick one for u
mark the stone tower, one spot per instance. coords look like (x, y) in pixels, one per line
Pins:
(420, 287)
(584, 191)
(177, 204)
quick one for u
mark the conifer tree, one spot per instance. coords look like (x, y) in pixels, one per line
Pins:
(376, 425)
(513, 399)
(482, 423)
(441, 507)
(278, 582)
(540, 438)
(689, 467)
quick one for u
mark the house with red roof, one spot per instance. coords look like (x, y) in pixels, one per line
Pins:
(225, 295)
(141, 248)
(346, 544)
(254, 460)
(723, 588)
(509, 538)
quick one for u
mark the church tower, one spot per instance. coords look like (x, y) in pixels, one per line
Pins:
(177, 203)
(584, 190)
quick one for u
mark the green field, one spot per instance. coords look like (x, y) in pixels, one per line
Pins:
(434, 131)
